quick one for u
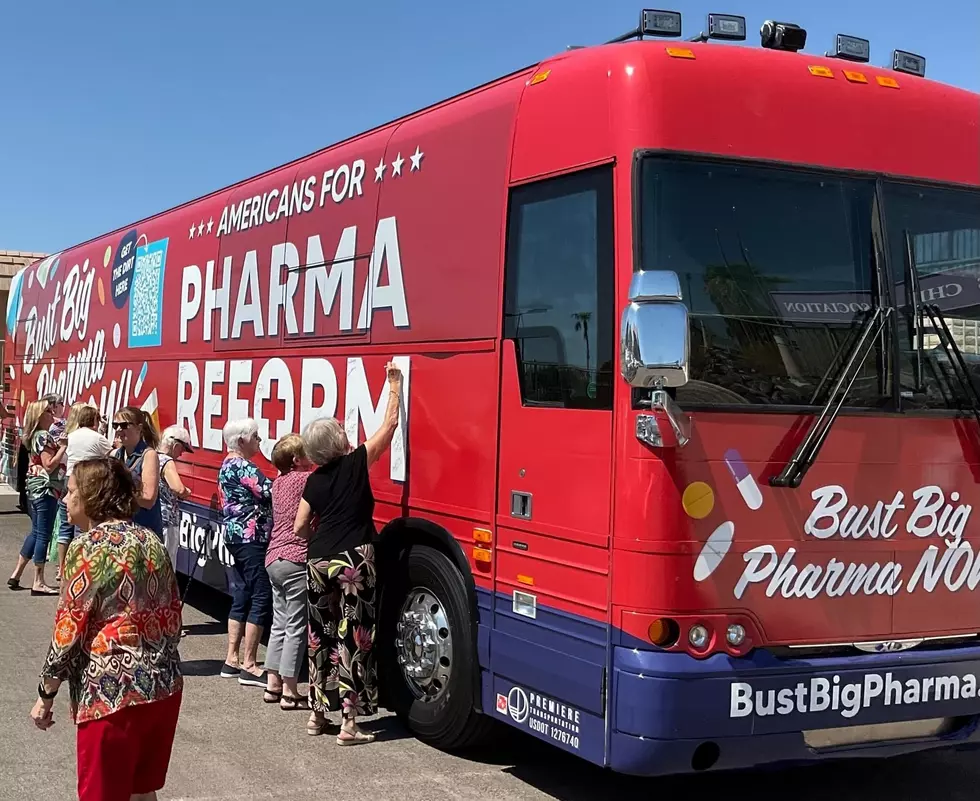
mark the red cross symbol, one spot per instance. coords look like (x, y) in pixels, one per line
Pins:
(279, 410)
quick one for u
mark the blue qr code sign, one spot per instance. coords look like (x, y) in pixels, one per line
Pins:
(146, 296)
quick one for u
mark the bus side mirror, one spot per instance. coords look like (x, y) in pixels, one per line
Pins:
(655, 354)
(654, 341)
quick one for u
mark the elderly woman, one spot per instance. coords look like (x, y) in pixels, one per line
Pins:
(115, 641)
(285, 561)
(45, 485)
(174, 443)
(341, 571)
(246, 500)
(139, 439)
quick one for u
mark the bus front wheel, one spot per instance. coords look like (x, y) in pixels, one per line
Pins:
(432, 683)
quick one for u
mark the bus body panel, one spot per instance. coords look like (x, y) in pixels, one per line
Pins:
(289, 312)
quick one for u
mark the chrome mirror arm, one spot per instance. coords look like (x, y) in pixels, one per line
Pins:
(650, 427)
(680, 421)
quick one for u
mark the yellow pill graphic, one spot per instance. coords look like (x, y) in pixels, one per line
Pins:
(101, 293)
(22, 399)
(698, 500)
(108, 255)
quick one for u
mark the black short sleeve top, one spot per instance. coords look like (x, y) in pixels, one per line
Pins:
(339, 493)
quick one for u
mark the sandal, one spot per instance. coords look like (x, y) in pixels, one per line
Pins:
(315, 729)
(289, 703)
(14, 584)
(357, 738)
(271, 697)
(44, 591)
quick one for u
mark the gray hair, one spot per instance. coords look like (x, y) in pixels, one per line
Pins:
(53, 399)
(325, 440)
(172, 435)
(236, 431)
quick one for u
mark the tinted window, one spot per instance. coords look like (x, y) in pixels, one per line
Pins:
(559, 283)
(936, 231)
(776, 266)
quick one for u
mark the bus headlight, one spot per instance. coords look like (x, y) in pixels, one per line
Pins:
(698, 636)
(735, 634)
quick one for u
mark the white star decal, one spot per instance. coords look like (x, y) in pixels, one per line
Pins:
(210, 224)
(200, 228)
(193, 229)
(417, 159)
(379, 171)
(396, 165)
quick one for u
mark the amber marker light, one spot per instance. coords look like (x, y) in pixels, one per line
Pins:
(663, 632)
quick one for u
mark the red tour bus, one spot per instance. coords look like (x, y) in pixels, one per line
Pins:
(691, 436)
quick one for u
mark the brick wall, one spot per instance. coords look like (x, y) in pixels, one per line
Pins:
(11, 262)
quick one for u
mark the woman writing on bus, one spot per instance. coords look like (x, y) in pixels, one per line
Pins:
(139, 439)
(341, 570)
(246, 501)
(174, 443)
(285, 562)
(45, 485)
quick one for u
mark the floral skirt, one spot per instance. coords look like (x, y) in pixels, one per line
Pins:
(341, 632)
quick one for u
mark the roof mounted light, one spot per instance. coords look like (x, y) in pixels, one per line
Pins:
(782, 36)
(722, 26)
(909, 63)
(653, 23)
(660, 23)
(726, 26)
(851, 48)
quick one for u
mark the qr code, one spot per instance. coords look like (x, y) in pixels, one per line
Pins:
(146, 297)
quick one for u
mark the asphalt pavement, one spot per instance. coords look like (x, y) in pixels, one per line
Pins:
(230, 745)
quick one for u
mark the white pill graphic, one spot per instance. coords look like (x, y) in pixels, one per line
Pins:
(744, 481)
(116, 335)
(714, 550)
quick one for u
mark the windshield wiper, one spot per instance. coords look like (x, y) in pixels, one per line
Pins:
(806, 453)
(956, 361)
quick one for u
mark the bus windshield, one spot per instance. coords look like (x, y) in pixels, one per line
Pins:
(778, 269)
(934, 231)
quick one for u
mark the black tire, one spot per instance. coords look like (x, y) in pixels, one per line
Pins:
(450, 723)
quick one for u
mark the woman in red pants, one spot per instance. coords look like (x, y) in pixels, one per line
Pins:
(115, 640)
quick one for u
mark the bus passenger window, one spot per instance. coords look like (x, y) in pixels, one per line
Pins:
(558, 306)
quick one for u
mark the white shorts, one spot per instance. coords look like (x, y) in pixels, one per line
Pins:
(171, 541)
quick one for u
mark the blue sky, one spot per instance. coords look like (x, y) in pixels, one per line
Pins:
(114, 111)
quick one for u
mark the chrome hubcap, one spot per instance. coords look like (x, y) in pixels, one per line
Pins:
(424, 644)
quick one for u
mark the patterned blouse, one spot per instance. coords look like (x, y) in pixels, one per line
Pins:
(246, 501)
(169, 504)
(287, 492)
(118, 622)
(39, 481)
